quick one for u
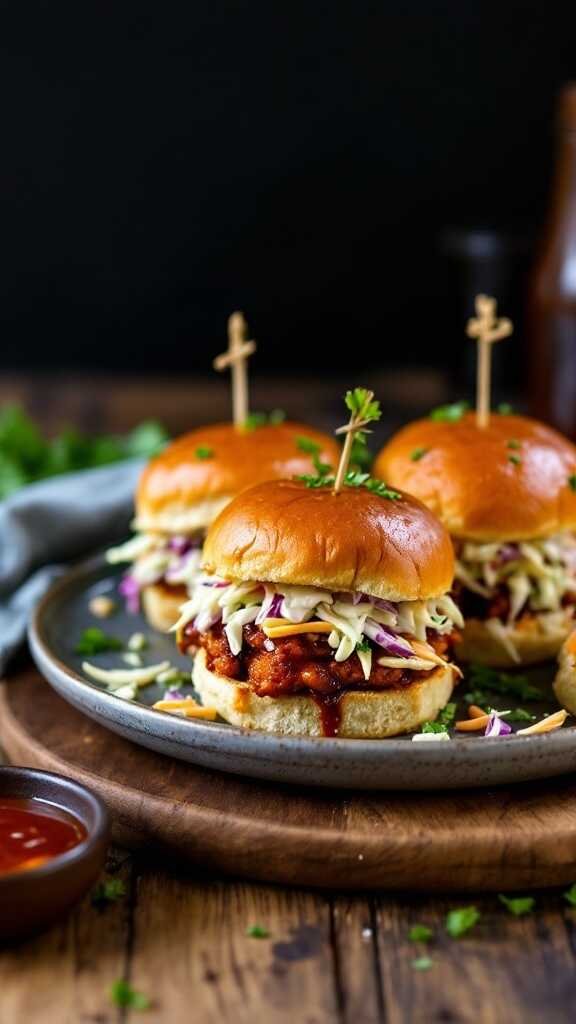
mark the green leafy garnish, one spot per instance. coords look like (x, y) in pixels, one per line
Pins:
(418, 453)
(504, 409)
(570, 895)
(122, 994)
(203, 452)
(422, 963)
(359, 402)
(310, 447)
(361, 458)
(515, 460)
(442, 721)
(109, 891)
(572, 482)
(257, 931)
(352, 479)
(95, 641)
(483, 678)
(517, 905)
(363, 646)
(520, 715)
(26, 456)
(461, 920)
(513, 443)
(264, 419)
(449, 413)
(420, 933)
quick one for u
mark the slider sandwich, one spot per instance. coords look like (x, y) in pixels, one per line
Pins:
(184, 488)
(324, 607)
(506, 492)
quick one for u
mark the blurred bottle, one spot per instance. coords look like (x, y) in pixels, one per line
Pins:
(551, 320)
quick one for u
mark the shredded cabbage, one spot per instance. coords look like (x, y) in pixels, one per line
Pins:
(355, 618)
(176, 560)
(537, 573)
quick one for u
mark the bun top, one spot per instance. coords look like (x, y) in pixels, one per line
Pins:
(185, 487)
(507, 481)
(285, 532)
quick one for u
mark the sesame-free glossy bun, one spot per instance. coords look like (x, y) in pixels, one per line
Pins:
(364, 714)
(179, 492)
(285, 532)
(470, 477)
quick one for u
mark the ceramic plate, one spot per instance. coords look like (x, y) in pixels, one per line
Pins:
(340, 763)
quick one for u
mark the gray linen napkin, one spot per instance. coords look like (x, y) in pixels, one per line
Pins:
(46, 525)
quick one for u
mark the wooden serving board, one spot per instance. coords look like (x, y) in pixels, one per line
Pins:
(516, 837)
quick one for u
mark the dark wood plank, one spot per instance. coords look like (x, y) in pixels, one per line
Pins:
(64, 976)
(513, 970)
(356, 961)
(510, 837)
(191, 948)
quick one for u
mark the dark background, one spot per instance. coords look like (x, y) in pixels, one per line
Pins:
(163, 166)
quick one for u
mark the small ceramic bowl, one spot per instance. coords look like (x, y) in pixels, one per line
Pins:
(33, 899)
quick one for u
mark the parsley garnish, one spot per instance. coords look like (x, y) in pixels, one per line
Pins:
(310, 447)
(513, 443)
(361, 457)
(363, 646)
(483, 678)
(109, 891)
(505, 409)
(203, 452)
(256, 931)
(449, 413)
(353, 479)
(520, 715)
(517, 905)
(357, 402)
(418, 453)
(572, 482)
(515, 460)
(461, 920)
(422, 963)
(263, 419)
(122, 994)
(420, 933)
(95, 641)
(570, 895)
(443, 720)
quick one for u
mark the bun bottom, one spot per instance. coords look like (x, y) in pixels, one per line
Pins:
(565, 682)
(161, 605)
(364, 714)
(480, 645)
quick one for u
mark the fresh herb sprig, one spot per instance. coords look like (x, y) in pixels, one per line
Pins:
(312, 448)
(442, 721)
(486, 681)
(109, 891)
(461, 920)
(519, 906)
(26, 456)
(122, 994)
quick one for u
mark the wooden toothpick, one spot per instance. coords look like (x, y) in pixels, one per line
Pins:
(487, 329)
(358, 421)
(236, 358)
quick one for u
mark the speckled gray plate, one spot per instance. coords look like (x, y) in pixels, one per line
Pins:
(340, 763)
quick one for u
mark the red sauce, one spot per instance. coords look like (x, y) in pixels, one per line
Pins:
(329, 708)
(33, 832)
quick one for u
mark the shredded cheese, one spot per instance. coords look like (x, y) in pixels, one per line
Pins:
(547, 724)
(289, 629)
(187, 708)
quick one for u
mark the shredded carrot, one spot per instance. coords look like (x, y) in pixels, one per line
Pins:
(188, 706)
(475, 712)
(299, 627)
(472, 724)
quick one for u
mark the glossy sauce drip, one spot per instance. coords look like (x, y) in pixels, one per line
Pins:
(33, 832)
(329, 707)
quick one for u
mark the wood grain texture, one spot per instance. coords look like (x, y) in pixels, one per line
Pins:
(512, 837)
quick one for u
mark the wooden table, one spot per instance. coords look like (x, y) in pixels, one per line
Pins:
(182, 938)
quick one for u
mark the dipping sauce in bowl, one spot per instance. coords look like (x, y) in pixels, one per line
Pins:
(32, 832)
(53, 838)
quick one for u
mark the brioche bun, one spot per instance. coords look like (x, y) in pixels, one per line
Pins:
(285, 532)
(479, 644)
(364, 714)
(161, 605)
(466, 476)
(565, 681)
(179, 492)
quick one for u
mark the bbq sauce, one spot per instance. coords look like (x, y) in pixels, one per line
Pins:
(33, 832)
(328, 705)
